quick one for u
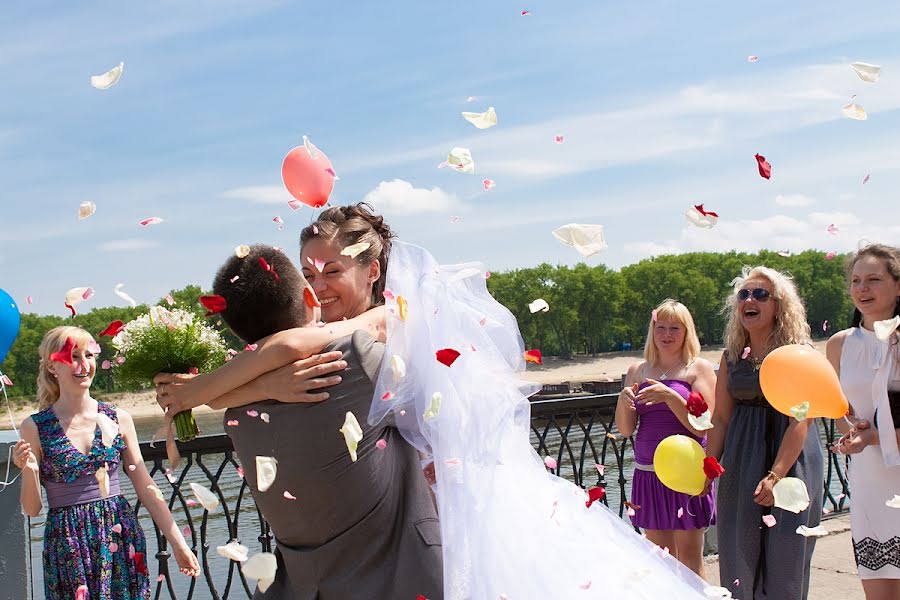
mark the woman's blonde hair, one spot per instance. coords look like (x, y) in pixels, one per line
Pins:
(673, 310)
(54, 340)
(790, 314)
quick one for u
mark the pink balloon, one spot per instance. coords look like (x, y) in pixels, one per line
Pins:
(309, 180)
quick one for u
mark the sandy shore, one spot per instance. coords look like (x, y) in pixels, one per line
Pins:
(606, 366)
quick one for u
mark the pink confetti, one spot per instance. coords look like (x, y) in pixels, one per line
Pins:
(278, 221)
(830, 255)
(315, 229)
(170, 300)
(295, 204)
(769, 520)
(482, 322)
(131, 551)
(746, 353)
(252, 413)
(87, 293)
(105, 365)
(600, 469)
(825, 325)
(186, 531)
(381, 444)
(120, 360)
(487, 274)
(630, 512)
(550, 462)
(471, 98)
(232, 423)
(161, 578)
(653, 316)
(526, 13)
(150, 221)
(191, 503)
(81, 592)
(387, 395)
(488, 184)
(251, 348)
(289, 495)
(586, 585)
(331, 172)
(117, 528)
(866, 179)
(317, 263)
(402, 413)
(752, 58)
(29, 300)
(680, 512)
(233, 279)
(737, 582)
(455, 219)
(388, 295)
(240, 472)
(833, 229)
(132, 467)
(559, 139)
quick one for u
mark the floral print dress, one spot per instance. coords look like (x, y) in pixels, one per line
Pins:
(88, 540)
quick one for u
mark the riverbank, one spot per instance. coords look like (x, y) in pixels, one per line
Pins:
(608, 366)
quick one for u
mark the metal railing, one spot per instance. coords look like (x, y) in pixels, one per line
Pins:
(577, 432)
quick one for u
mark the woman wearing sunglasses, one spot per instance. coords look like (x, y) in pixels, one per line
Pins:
(758, 446)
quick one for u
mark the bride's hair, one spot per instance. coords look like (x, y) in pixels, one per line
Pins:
(54, 340)
(356, 224)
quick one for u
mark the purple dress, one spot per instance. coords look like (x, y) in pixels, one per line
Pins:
(80, 545)
(659, 506)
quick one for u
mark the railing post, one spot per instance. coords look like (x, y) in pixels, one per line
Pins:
(14, 539)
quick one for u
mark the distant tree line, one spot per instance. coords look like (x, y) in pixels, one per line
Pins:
(592, 309)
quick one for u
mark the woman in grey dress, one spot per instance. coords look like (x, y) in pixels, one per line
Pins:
(758, 446)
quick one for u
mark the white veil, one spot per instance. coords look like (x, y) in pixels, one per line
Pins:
(510, 529)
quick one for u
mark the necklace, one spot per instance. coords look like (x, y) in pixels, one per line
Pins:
(665, 374)
(756, 363)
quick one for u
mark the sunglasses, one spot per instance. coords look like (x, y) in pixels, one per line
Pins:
(759, 294)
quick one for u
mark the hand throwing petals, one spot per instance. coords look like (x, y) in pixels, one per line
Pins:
(108, 79)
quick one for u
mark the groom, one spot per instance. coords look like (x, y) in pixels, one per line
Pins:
(345, 529)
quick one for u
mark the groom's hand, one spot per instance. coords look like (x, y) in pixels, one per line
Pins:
(295, 382)
(168, 386)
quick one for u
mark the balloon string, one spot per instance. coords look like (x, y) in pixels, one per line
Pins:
(9, 450)
(6, 398)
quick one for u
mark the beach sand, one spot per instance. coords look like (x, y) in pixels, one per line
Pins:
(609, 365)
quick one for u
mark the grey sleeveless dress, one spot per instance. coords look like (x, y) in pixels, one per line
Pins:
(766, 562)
(357, 530)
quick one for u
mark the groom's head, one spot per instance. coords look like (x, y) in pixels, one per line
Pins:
(263, 293)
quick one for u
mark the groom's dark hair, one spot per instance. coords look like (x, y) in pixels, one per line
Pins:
(263, 293)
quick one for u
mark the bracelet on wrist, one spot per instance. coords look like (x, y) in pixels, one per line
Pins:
(771, 475)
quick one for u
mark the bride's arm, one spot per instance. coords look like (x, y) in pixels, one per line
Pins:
(272, 352)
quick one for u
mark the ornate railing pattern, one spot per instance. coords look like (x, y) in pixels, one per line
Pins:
(577, 432)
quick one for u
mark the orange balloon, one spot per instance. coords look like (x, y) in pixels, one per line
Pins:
(309, 180)
(791, 375)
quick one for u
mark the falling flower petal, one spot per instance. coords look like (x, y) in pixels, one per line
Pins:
(355, 250)
(830, 255)
(446, 356)
(240, 472)
(242, 251)
(526, 13)
(266, 469)
(86, 209)
(317, 263)
(150, 221)
(825, 325)
(884, 329)
(587, 239)
(702, 422)
(550, 462)
(832, 229)
(402, 307)
(398, 367)
(207, 499)
(118, 292)
(264, 417)
(169, 299)
(261, 567)
(157, 493)
(800, 411)
(817, 531)
(310, 148)
(866, 179)
(595, 494)
(252, 413)
(482, 120)
(278, 221)
(559, 139)
(65, 353)
(109, 429)
(76, 295)
(295, 204)
(108, 79)
(866, 72)
(434, 407)
(488, 184)
(268, 268)
(461, 160)
(703, 219)
(784, 253)
(29, 300)
(232, 423)
(102, 475)
(233, 551)
(855, 112)
(893, 502)
(81, 593)
(381, 444)
(352, 434)
(714, 591)
(752, 58)
(765, 169)
(538, 305)
(600, 469)
(534, 356)
(120, 360)
(112, 329)
(309, 297)
(214, 304)
(132, 467)
(791, 494)
(387, 396)
(117, 528)
(769, 520)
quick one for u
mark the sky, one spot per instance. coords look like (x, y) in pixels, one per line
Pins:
(659, 107)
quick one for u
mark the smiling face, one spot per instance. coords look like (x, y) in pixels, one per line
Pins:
(344, 285)
(668, 336)
(873, 289)
(757, 313)
(77, 377)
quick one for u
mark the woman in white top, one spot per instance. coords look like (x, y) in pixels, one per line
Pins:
(869, 368)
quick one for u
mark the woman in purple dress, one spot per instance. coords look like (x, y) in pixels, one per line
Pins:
(655, 395)
(93, 544)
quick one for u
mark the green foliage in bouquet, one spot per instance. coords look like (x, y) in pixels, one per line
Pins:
(165, 341)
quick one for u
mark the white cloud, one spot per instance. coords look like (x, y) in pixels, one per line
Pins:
(127, 245)
(260, 194)
(399, 197)
(794, 200)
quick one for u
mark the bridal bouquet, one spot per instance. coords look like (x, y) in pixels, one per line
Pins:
(168, 341)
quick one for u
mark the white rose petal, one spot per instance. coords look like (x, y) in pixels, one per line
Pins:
(86, 209)
(434, 407)
(855, 112)
(884, 329)
(266, 469)
(701, 423)
(893, 502)
(398, 367)
(108, 428)
(817, 531)
(352, 434)
(233, 551)
(791, 495)
(538, 305)
(866, 72)
(482, 120)
(108, 79)
(587, 239)
(461, 160)
(102, 475)
(207, 499)
(262, 568)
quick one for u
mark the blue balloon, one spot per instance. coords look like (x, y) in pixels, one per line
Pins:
(10, 319)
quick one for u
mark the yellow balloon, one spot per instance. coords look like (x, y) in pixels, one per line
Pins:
(678, 462)
(794, 374)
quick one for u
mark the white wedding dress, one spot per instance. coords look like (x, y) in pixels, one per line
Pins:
(510, 529)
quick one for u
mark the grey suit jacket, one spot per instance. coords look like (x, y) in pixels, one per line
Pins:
(357, 530)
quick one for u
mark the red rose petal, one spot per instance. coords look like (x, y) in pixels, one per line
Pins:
(65, 353)
(268, 267)
(595, 494)
(765, 169)
(696, 405)
(112, 329)
(712, 468)
(534, 356)
(214, 304)
(446, 356)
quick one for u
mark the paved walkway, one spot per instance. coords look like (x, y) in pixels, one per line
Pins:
(833, 568)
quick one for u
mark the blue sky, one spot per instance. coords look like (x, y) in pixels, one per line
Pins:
(658, 104)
